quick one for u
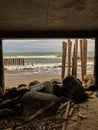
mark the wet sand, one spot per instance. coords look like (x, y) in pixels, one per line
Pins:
(14, 78)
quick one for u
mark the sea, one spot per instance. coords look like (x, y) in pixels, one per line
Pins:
(45, 62)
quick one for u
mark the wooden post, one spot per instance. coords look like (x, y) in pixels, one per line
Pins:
(23, 62)
(76, 50)
(7, 61)
(69, 56)
(1, 66)
(74, 59)
(15, 62)
(83, 52)
(82, 58)
(85, 56)
(73, 64)
(20, 61)
(11, 62)
(64, 49)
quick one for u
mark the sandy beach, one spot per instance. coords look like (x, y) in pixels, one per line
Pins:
(15, 77)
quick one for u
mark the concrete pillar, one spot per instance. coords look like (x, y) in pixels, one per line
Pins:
(1, 66)
(96, 62)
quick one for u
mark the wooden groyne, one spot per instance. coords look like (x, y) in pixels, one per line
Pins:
(13, 61)
(70, 58)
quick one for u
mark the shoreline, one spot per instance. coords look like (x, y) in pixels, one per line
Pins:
(13, 77)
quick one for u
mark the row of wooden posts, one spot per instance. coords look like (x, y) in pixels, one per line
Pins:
(73, 57)
(13, 61)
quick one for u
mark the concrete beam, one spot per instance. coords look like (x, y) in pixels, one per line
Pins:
(1, 66)
(49, 34)
(96, 62)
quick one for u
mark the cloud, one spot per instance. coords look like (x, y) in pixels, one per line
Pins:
(40, 45)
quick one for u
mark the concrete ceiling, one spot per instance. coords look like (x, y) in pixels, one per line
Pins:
(48, 15)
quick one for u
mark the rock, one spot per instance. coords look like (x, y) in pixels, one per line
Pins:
(11, 93)
(52, 87)
(74, 90)
(33, 101)
(22, 86)
(97, 93)
(90, 82)
(33, 83)
(45, 86)
(88, 77)
(55, 81)
(5, 113)
(1, 92)
(90, 87)
(8, 129)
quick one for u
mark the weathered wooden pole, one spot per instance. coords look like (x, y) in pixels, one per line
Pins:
(85, 56)
(81, 56)
(12, 61)
(69, 56)
(1, 66)
(22, 61)
(76, 51)
(73, 64)
(15, 61)
(64, 49)
(74, 59)
(7, 61)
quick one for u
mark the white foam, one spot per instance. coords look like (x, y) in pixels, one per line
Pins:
(30, 57)
(34, 66)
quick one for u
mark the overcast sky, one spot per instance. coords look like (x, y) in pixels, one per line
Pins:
(42, 45)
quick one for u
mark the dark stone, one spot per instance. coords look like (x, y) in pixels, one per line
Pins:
(32, 101)
(11, 93)
(74, 90)
(5, 113)
(22, 85)
(91, 88)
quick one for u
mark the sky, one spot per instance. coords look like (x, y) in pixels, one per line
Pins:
(40, 45)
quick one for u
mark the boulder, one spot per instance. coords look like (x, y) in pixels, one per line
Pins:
(32, 101)
(74, 90)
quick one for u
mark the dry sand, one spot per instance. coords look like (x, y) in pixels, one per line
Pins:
(14, 78)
